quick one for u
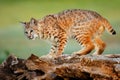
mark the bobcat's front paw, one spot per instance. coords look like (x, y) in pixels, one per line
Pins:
(50, 55)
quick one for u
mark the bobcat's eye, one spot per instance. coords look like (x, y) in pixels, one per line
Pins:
(31, 31)
(26, 32)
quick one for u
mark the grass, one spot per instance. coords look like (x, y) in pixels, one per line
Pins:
(13, 11)
(13, 40)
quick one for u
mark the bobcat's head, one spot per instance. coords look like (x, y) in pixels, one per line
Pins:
(31, 29)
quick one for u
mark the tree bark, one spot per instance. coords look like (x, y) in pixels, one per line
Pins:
(65, 67)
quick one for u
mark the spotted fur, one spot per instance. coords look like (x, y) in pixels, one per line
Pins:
(83, 25)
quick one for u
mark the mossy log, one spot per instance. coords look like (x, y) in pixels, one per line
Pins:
(65, 67)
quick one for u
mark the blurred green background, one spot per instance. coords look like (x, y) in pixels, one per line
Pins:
(13, 40)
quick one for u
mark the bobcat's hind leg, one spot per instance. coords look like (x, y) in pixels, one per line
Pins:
(87, 44)
(99, 46)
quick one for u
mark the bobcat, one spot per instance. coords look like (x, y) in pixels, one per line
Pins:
(83, 25)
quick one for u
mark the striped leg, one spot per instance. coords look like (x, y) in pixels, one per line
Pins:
(87, 44)
(61, 43)
(53, 49)
(99, 46)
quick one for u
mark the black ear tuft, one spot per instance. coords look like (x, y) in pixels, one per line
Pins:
(23, 23)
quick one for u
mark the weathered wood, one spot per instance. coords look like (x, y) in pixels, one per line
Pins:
(65, 67)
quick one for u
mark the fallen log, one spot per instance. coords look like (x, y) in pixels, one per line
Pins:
(65, 67)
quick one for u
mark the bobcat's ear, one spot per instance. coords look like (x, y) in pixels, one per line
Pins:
(23, 23)
(33, 21)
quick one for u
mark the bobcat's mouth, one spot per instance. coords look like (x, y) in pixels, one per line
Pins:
(32, 37)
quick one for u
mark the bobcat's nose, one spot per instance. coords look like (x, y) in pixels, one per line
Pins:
(30, 37)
